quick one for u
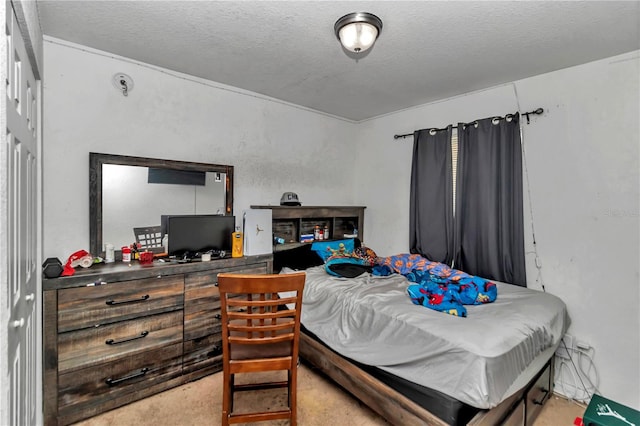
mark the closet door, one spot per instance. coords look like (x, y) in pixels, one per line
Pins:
(20, 189)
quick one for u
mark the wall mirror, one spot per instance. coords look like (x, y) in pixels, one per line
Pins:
(128, 192)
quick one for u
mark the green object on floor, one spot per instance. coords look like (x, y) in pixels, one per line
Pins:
(604, 412)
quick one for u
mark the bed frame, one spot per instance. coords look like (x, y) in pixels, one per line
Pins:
(520, 409)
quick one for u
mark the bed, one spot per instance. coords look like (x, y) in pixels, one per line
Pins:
(414, 365)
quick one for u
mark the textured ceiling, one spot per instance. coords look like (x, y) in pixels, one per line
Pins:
(428, 50)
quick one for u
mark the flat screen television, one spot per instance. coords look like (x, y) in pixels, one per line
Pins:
(196, 234)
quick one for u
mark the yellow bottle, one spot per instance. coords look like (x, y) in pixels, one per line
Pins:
(236, 243)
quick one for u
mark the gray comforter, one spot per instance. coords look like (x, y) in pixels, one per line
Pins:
(475, 359)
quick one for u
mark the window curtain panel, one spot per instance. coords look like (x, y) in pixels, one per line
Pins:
(431, 203)
(489, 229)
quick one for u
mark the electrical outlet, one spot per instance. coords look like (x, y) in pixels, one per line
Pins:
(582, 345)
(566, 345)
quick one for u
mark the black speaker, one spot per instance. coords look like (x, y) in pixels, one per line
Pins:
(52, 267)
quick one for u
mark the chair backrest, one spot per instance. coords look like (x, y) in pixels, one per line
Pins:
(260, 315)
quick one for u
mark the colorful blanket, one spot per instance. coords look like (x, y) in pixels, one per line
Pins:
(437, 286)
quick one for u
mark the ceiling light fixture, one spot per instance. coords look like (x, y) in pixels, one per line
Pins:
(358, 31)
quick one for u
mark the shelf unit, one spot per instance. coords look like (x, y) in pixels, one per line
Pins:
(290, 222)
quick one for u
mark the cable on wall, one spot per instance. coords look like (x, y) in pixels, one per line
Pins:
(582, 392)
(537, 261)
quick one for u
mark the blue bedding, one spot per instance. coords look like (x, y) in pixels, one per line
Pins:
(437, 286)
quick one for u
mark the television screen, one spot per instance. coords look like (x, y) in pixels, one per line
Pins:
(197, 234)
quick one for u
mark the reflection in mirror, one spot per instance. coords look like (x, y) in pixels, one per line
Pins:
(133, 192)
(130, 200)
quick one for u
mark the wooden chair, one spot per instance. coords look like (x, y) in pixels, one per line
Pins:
(260, 332)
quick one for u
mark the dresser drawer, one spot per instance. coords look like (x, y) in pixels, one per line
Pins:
(92, 346)
(197, 280)
(93, 390)
(200, 322)
(202, 353)
(93, 306)
(202, 300)
(516, 416)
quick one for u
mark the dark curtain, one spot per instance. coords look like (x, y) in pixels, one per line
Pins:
(431, 204)
(489, 230)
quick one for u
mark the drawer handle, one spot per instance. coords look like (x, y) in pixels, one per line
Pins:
(113, 382)
(544, 396)
(216, 350)
(114, 342)
(113, 302)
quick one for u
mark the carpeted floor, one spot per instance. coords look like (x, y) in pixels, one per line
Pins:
(320, 403)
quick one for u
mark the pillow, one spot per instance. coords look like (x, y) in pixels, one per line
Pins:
(297, 258)
(326, 249)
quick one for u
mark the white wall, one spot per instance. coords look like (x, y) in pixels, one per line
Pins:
(583, 165)
(274, 147)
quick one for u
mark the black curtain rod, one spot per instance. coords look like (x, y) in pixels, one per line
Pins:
(538, 111)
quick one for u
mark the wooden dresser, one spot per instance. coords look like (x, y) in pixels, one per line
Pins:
(114, 334)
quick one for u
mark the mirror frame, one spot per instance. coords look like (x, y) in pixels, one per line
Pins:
(96, 160)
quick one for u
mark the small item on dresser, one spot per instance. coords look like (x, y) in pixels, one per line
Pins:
(109, 253)
(316, 233)
(206, 257)
(236, 243)
(146, 258)
(52, 267)
(80, 258)
(126, 254)
(306, 238)
(326, 232)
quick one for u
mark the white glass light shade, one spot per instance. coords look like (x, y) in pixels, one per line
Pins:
(358, 31)
(358, 36)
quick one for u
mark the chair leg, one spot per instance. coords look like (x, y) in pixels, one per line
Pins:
(293, 381)
(232, 390)
(227, 397)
